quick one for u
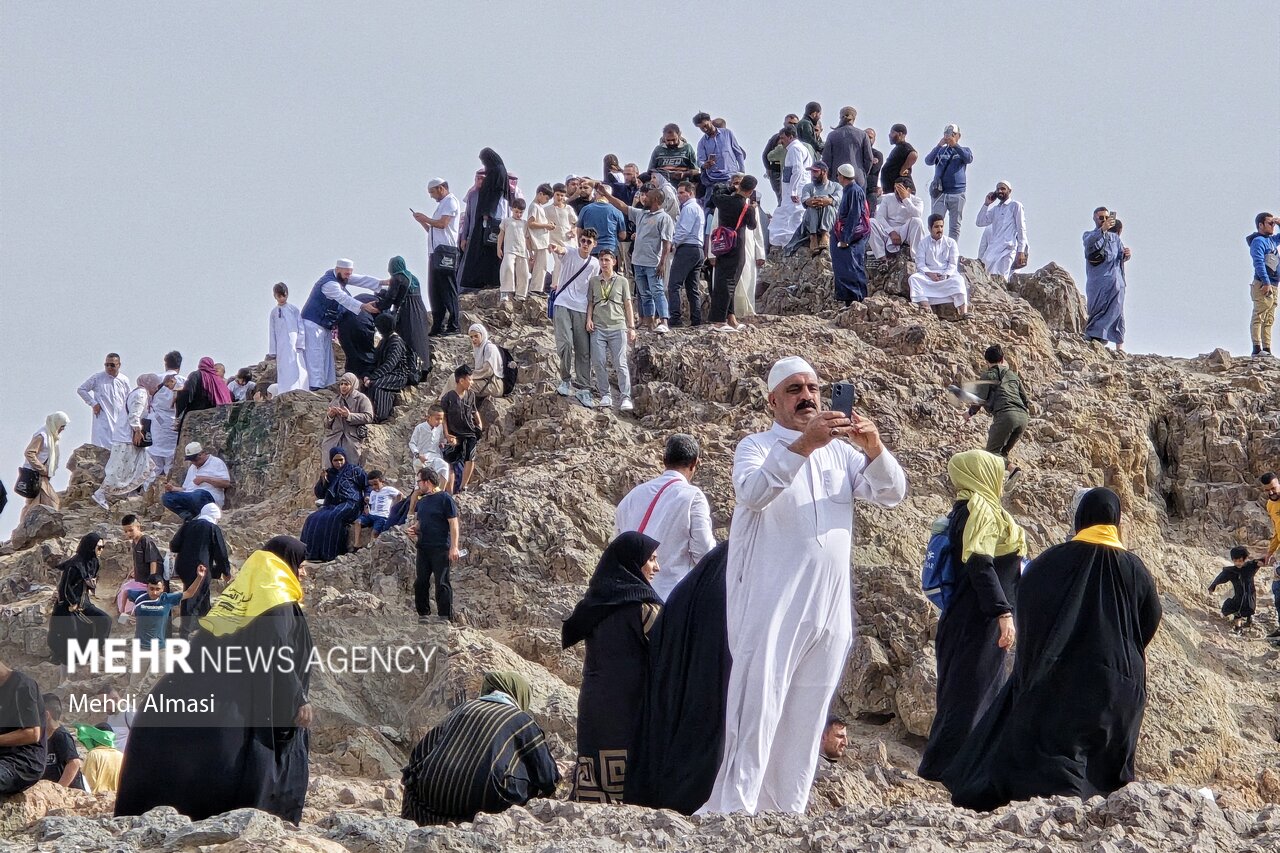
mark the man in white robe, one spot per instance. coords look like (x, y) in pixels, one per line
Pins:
(321, 312)
(795, 174)
(287, 344)
(788, 589)
(899, 219)
(1004, 237)
(937, 280)
(105, 393)
(129, 467)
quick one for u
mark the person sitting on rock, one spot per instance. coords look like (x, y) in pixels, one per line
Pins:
(835, 740)
(379, 498)
(22, 742)
(395, 365)
(937, 280)
(489, 754)
(206, 482)
(1243, 602)
(340, 491)
(1006, 400)
(102, 761)
(346, 422)
(75, 616)
(64, 763)
(899, 220)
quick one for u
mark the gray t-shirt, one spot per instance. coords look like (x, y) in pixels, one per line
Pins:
(651, 230)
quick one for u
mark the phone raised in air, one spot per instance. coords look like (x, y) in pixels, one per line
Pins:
(843, 396)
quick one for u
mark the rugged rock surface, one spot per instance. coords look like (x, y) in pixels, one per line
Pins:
(1179, 439)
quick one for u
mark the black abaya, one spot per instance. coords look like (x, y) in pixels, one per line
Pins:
(1068, 721)
(403, 298)
(679, 741)
(971, 666)
(75, 616)
(480, 262)
(246, 753)
(356, 336)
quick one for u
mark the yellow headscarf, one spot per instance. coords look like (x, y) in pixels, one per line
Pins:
(979, 479)
(264, 581)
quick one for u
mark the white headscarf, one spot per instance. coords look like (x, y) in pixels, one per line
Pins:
(51, 426)
(487, 352)
(211, 513)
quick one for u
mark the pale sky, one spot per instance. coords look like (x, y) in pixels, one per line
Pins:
(162, 164)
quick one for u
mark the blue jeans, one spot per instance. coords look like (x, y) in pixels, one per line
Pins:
(186, 505)
(379, 523)
(653, 295)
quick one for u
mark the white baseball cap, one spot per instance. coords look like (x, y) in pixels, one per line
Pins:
(193, 450)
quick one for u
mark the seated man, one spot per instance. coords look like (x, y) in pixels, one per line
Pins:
(64, 763)
(102, 763)
(22, 743)
(206, 482)
(487, 755)
(899, 219)
(938, 280)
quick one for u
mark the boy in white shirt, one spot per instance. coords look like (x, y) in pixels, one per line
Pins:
(378, 502)
(565, 218)
(427, 445)
(540, 231)
(514, 250)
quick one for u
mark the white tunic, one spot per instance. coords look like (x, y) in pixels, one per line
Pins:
(288, 343)
(795, 174)
(904, 217)
(109, 393)
(680, 521)
(164, 434)
(1004, 236)
(942, 257)
(425, 442)
(789, 610)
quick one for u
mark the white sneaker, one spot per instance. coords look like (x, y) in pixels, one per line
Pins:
(662, 328)
(606, 402)
(584, 397)
(726, 328)
(100, 499)
(123, 619)
(565, 389)
(626, 405)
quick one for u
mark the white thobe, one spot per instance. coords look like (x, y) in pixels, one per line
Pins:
(288, 343)
(680, 521)
(904, 217)
(942, 257)
(164, 434)
(753, 250)
(426, 441)
(1005, 235)
(795, 174)
(789, 609)
(109, 393)
(319, 340)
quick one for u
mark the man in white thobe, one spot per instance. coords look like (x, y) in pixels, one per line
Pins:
(1004, 237)
(105, 393)
(321, 312)
(788, 592)
(899, 219)
(937, 280)
(795, 174)
(672, 510)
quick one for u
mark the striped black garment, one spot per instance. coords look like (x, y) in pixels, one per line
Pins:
(484, 757)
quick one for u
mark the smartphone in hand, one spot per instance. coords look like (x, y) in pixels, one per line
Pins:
(843, 396)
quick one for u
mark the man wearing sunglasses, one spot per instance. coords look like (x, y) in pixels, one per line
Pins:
(569, 315)
(105, 393)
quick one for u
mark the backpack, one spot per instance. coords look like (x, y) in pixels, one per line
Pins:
(510, 370)
(938, 574)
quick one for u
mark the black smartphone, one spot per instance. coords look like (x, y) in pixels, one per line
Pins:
(843, 396)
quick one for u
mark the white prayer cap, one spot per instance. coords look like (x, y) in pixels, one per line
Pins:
(435, 182)
(344, 264)
(1004, 184)
(789, 366)
(847, 170)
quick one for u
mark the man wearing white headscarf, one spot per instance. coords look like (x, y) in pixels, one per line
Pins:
(787, 587)
(1004, 234)
(321, 313)
(104, 392)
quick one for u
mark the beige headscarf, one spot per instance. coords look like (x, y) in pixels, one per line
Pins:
(52, 424)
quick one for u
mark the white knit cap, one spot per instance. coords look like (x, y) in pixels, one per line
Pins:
(344, 264)
(789, 366)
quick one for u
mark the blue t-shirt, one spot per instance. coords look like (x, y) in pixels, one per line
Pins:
(434, 512)
(608, 222)
(153, 615)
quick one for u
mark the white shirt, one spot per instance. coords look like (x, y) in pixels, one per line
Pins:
(1005, 223)
(938, 256)
(213, 467)
(380, 500)
(448, 235)
(539, 237)
(573, 294)
(681, 522)
(795, 169)
(426, 441)
(895, 214)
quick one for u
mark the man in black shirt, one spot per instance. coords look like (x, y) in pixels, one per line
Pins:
(22, 743)
(435, 527)
(462, 421)
(63, 764)
(900, 160)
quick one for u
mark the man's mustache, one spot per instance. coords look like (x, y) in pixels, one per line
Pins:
(806, 404)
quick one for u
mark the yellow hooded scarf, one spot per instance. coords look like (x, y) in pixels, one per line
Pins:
(979, 479)
(263, 582)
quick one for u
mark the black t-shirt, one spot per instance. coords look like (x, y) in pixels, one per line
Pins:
(730, 207)
(460, 413)
(893, 164)
(62, 751)
(145, 553)
(21, 708)
(433, 512)
(578, 202)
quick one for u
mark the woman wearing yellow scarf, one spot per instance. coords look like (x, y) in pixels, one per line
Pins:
(1067, 722)
(251, 748)
(975, 632)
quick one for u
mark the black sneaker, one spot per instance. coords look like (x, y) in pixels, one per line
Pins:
(1267, 353)
(424, 619)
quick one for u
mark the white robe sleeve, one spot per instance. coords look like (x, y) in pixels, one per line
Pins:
(951, 258)
(272, 331)
(1020, 228)
(701, 539)
(298, 330)
(984, 216)
(760, 475)
(881, 481)
(334, 291)
(88, 389)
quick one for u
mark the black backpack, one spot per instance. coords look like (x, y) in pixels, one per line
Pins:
(510, 371)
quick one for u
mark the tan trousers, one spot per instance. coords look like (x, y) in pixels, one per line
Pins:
(1264, 315)
(514, 275)
(537, 283)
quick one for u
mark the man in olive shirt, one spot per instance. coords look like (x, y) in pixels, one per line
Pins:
(1006, 401)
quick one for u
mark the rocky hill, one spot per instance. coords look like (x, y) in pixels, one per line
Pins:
(1180, 440)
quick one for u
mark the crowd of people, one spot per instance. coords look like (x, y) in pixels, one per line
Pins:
(699, 657)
